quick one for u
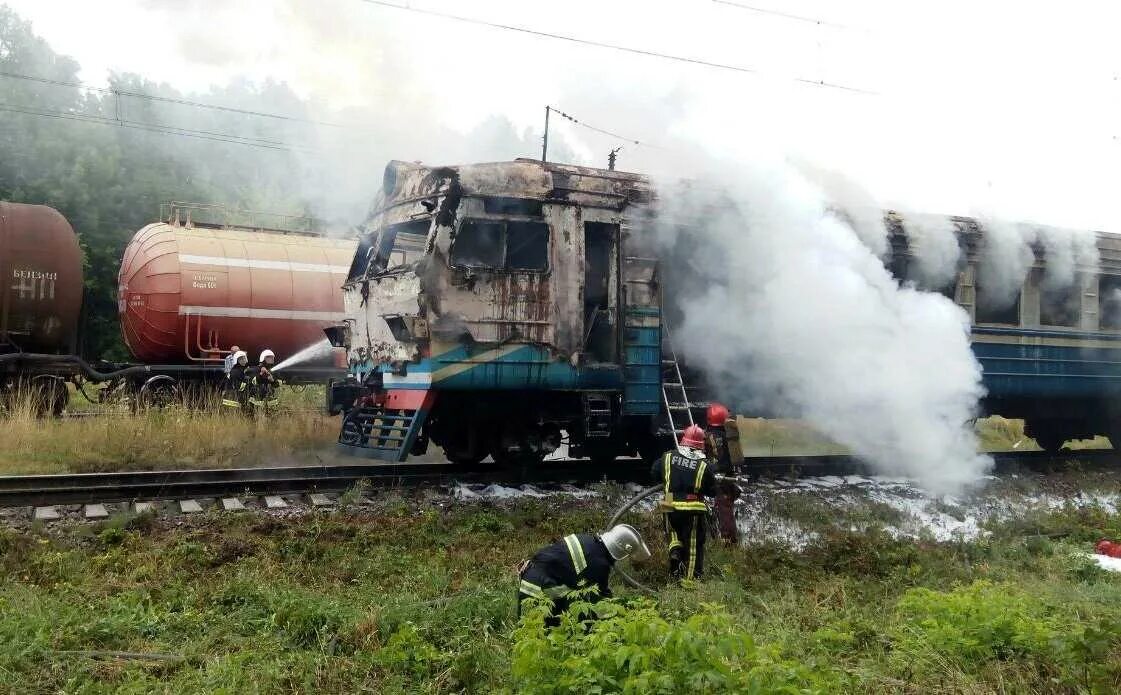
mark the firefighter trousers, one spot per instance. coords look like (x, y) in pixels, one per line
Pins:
(686, 533)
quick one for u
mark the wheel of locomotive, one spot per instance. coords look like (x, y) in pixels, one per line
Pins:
(158, 393)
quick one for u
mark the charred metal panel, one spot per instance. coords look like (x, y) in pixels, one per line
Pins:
(567, 256)
(370, 304)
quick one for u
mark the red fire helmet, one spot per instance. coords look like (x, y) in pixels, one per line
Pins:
(693, 437)
(717, 415)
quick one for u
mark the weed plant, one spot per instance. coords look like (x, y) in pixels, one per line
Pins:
(403, 597)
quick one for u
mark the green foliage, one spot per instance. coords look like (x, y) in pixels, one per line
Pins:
(984, 622)
(636, 650)
(978, 622)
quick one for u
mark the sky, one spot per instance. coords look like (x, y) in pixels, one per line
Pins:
(999, 109)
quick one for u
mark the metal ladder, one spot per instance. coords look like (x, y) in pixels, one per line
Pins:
(675, 398)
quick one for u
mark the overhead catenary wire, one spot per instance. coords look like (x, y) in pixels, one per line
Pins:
(784, 15)
(614, 47)
(156, 128)
(174, 100)
(608, 133)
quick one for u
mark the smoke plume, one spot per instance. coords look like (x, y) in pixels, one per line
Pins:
(1006, 258)
(786, 308)
(933, 242)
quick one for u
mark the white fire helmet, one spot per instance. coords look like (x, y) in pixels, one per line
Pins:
(266, 354)
(623, 541)
(239, 355)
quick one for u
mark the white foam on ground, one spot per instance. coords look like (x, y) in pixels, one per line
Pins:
(1113, 564)
(467, 491)
(921, 514)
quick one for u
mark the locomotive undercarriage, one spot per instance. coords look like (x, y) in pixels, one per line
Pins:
(525, 427)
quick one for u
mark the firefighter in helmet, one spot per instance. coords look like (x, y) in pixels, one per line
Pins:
(688, 477)
(576, 562)
(718, 451)
(265, 383)
(236, 392)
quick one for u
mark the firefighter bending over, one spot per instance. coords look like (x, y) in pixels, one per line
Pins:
(236, 392)
(264, 383)
(720, 453)
(688, 478)
(576, 562)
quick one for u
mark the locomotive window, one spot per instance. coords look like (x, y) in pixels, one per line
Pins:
(1061, 307)
(479, 244)
(527, 246)
(408, 240)
(361, 257)
(1109, 295)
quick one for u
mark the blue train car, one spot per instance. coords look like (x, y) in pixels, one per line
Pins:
(494, 308)
(1050, 350)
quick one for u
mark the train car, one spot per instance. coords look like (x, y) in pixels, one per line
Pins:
(41, 293)
(189, 290)
(192, 285)
(491, 307)
(1051, 351)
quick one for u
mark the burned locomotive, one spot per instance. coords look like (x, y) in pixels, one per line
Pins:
(493, 309)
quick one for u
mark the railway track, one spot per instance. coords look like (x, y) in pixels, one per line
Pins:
(133, 486)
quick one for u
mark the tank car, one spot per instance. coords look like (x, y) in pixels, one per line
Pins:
(191, 286)
(491, 307)
(41, 294)
(40, 297)
(189, 290)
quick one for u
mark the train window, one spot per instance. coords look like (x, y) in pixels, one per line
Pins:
(527, 246)
(512, 206)
(1061, 306)
(993, 310)
(361, 257)
(408, 240)
(479, 244)
(1109, 296)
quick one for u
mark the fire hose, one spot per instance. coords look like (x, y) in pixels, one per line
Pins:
(623, 509)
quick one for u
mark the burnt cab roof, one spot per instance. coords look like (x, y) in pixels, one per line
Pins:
(564, 184)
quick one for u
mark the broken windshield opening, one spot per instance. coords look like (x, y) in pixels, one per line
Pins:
(400, 244)
(361, 257)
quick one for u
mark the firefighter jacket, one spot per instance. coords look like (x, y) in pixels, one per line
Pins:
(237, 387)
(575, 562)
(716, 448)
(687, 477)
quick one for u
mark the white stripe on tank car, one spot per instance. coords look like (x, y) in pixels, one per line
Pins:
(244, 312)
(262, 264)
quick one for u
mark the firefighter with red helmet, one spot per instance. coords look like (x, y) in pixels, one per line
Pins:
(688, 477)
(717, 449)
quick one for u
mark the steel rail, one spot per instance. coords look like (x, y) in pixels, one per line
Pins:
(85, 488)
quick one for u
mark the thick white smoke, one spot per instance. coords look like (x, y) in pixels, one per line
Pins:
(1006, 258)
(788, 311)
(1066, 252)
(934, 244)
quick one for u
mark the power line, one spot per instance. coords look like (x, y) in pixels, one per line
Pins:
(601, 130)
(611, 46)
(784, 15)
(172, 100)
(153, 128)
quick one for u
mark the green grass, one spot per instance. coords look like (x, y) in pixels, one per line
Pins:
(410, 597)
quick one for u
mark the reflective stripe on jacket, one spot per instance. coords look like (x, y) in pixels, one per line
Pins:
(686, 482)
